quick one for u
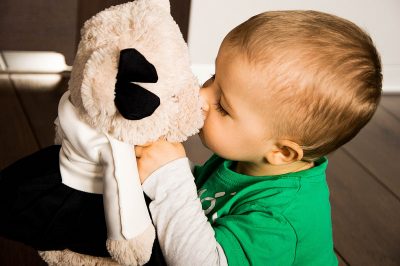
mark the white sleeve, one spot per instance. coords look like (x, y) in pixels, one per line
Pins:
(185, 235)
(125, 208)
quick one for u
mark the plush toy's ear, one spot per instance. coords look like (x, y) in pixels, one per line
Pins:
(162, 3)
(133, 101)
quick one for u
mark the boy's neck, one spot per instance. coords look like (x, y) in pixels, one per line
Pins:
(266, 169)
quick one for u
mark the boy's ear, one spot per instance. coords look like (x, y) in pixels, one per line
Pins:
(284, 152)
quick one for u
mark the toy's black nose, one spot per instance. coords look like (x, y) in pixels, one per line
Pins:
(133, 101)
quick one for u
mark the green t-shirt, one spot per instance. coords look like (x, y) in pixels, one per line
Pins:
(268, 220)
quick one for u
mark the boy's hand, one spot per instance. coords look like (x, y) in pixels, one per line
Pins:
(154, 155)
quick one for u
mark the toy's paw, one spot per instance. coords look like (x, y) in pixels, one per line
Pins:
(135, 251)
(69, 258)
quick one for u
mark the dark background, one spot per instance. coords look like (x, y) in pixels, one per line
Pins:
(48, 25)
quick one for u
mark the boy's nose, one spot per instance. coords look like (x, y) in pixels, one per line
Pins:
(205, 105)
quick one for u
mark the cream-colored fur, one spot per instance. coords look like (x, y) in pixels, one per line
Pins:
(120, 250)
(147, 26)
(67, 258)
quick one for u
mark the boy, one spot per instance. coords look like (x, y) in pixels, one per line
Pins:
(289, 88)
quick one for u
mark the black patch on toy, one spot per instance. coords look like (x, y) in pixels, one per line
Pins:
(133, 101)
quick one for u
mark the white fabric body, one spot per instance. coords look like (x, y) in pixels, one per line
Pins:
(185, 235)
(95, 162)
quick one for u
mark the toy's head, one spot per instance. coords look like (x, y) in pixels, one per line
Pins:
(131, 76)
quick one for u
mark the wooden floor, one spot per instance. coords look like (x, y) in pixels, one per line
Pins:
(363, 176)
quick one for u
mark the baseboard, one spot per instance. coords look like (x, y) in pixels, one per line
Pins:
(391, 78)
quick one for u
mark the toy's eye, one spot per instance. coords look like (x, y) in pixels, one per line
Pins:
(135, 102)
(132, 100)
(134, 67)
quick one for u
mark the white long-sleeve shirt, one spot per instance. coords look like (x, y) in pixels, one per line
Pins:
(185, 235)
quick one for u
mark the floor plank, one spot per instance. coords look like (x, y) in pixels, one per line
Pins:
(40, 94)
(17, 254)
(16, 137)
(377, 147)
(365, 216)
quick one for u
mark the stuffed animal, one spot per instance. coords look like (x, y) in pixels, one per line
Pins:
(131, 84)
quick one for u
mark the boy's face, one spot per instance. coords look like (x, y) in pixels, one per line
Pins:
(236, 124)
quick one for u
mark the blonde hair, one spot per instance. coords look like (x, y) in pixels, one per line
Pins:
(322, 72)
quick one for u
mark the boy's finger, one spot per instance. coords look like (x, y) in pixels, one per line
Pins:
(138, 151)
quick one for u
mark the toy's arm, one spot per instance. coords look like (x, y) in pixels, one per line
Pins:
(130, 230)
(185, 235)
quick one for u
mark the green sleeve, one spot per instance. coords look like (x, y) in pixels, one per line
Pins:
(256, 238)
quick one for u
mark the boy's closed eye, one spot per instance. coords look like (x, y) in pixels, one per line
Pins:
(220, 109)
(217, 105)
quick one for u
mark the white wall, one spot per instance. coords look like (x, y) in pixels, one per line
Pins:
(211, 20)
